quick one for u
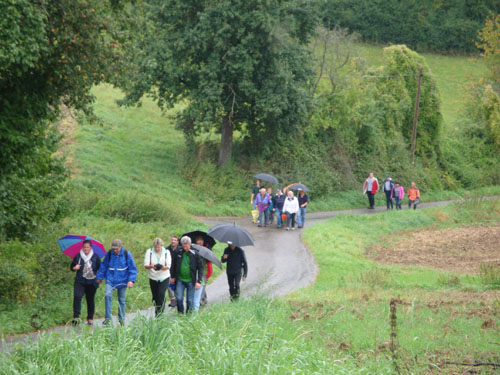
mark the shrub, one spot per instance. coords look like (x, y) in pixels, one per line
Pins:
(489, 273)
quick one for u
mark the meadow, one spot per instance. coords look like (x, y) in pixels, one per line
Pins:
(342, 324)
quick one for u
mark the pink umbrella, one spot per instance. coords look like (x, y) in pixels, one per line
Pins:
(72, 244)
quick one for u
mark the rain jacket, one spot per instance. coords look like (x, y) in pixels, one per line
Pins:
(413, 194)
(291, 205)
(195, 265)
(118, 270)
(398, 192)
(236, 261)
(96, 263)
(374, 186)
(262, 202)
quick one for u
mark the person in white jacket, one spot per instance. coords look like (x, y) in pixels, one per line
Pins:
(158, 260)
(290, 208)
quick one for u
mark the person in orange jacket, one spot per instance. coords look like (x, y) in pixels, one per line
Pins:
(413, 196)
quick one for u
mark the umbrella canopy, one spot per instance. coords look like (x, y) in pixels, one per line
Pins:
(298, 186)
(206, 253)
(72, 244)
(267, 177)
(233, 234)
(207, 239)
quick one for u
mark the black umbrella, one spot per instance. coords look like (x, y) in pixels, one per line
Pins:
(267, 177)
(298, 186)
(231, 233)
(208, 254)
(207, 239)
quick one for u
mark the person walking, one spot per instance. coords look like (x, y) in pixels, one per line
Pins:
(157, 261)
(255, 191)
(186, 274)
(200, 295)
(85, 264)
(370, 188)
(263, 201)
(120, 272)
(303, 202)
(413, 196)
(270, 209)
(290, 207)
(388, 187)
(398, 192)
(236, 263)
(174, 245)
(279, 201)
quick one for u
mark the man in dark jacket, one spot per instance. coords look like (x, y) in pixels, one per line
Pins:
(236, 262)
(278, 202)
(186, 274)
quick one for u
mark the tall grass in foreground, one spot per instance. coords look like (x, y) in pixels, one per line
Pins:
(250, 337)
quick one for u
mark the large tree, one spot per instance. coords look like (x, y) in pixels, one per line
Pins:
(51, 53)
(236, 64)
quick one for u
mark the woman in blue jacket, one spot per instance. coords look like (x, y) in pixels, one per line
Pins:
(85, 264)
(120, 272)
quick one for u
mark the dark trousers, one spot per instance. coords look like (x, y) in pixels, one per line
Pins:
(158, 290)
(388, 199)
(234, 285)
(89, 291)
(414, 204)
(371, 198)
(398, 203)
(290, 217)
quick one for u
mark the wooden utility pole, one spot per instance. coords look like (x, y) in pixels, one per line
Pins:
(415, 119)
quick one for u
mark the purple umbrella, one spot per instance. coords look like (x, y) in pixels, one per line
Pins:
(72, 244)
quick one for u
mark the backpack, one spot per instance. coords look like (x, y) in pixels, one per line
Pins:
(108, 255)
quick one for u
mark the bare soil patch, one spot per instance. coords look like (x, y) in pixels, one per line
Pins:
(460, 250)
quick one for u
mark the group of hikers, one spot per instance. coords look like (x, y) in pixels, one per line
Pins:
(284, 205)
(177, 269)
(393, 190)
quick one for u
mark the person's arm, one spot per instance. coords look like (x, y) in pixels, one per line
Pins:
(402, 192)
(224, 257)
(101, 274)
(244, 264)
(168, 261)
(251, 199)
(209, 270)
(418, 193)
(132, 270)
(199, 270)
(74, 263)
(147, 260)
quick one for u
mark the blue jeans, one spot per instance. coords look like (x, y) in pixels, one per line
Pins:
(180, 286)
(197, 298)
(266, 217)
(108, 296)
(301, 216)
(290, 218)
(279, 222)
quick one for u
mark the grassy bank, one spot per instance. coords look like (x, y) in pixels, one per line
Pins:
(339, 325)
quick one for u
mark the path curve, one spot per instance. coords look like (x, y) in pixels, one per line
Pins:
(279, 263)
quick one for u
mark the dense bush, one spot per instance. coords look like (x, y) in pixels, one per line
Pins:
(435, 25)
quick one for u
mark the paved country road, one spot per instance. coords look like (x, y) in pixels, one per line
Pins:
(279, 263)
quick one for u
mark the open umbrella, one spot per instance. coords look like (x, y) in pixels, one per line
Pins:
(206, 253)
(72, 244)
(298, 186)
(267, 177)
(232, 233)
(208, 240)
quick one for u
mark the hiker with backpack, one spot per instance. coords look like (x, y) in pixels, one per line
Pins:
(85, 264)
(120, 272)
(158, 260)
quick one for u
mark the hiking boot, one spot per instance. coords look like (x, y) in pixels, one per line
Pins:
(106, 322)
(90, 322)
(75, 322)
(287, 228)
(293, 228)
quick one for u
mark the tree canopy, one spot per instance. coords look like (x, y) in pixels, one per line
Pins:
(236, 64)
(52, 53)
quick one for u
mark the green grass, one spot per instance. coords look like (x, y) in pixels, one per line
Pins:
(339, 325)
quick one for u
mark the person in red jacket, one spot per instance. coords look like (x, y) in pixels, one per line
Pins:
(370, 188)
(200, 296)
(413, 196)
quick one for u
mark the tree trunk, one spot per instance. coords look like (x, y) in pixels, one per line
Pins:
(226, 140)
